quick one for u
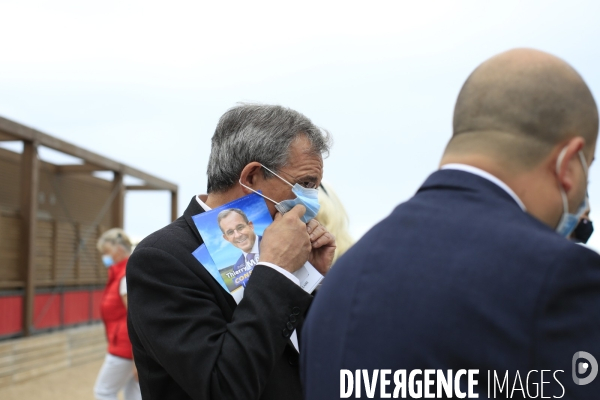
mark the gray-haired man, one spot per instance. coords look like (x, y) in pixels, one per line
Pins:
(190, 339)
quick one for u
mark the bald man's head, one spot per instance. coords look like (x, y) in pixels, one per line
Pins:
(518, 105)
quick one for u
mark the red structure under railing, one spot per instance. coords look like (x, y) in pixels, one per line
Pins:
(52, 309)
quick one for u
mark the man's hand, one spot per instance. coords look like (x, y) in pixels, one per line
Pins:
(323, 246)
(286, 242)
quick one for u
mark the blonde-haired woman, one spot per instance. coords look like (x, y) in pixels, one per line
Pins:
(333, 216)
(118, 371)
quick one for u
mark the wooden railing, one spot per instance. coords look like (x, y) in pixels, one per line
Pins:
(28, 358)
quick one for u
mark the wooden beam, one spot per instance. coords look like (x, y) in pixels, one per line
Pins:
(29, 194)
(174, 205)
(118, 206)
(149, 179)
(5, 137)
(21, 132)
(141, 187)
(71, 149)
(78, 169)
(15, 158)
(25, 133)
(12, 284)
(70, 282)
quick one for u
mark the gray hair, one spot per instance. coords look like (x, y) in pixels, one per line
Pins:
(114, 236)
(223, 214)
(258, 132)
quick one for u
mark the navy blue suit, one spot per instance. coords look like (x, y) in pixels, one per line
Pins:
(458, 277)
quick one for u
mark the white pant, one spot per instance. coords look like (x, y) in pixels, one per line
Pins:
(116, 374)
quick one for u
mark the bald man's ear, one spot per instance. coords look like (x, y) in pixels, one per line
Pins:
(249, 175)
(567, 164)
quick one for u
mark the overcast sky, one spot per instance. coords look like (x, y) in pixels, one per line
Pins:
(145, 82)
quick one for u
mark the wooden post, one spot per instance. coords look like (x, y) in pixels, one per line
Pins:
(54, 251)
(77, 252)
(174, 205)
(99, 266)
(29, 194)
(118, 206)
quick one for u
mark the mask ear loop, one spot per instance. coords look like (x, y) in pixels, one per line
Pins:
(560, 158)
(583, 163)
(563, 195)
(260, 194)
(586, 204)
(276, 175)
(559, 161)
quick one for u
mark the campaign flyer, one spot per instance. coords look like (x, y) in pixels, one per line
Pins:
(232, 234)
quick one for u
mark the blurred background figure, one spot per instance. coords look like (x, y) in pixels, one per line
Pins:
(118, 371)
(333, 216)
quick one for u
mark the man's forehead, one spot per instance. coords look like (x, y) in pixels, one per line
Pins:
(306, 165)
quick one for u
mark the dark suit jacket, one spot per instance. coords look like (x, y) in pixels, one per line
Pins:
(458, 277)
(190, 339)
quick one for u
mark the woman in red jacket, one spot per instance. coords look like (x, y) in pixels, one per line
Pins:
(118, 371)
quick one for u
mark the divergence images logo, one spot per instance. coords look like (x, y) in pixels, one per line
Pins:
(590, 364)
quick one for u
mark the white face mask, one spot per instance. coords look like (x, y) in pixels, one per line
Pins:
(568, 222)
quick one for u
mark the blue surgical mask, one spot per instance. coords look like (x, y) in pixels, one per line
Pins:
(309, 198)
(568, 221)
(107, 260)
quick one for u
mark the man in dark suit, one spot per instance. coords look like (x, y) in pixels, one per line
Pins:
(190, 339)
(239, 231)
(474, 272)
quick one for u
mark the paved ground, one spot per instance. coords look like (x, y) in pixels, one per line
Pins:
(68, 384)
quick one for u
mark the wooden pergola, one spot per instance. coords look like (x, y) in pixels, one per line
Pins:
(30, 174)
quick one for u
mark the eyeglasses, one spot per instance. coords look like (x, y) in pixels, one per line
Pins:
(305, 184)
(238, 229)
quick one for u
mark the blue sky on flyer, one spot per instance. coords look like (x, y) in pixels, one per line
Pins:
(224, 253)
(145, 82)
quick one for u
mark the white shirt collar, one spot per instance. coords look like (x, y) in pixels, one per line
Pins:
(486, 175)
(202, 204)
